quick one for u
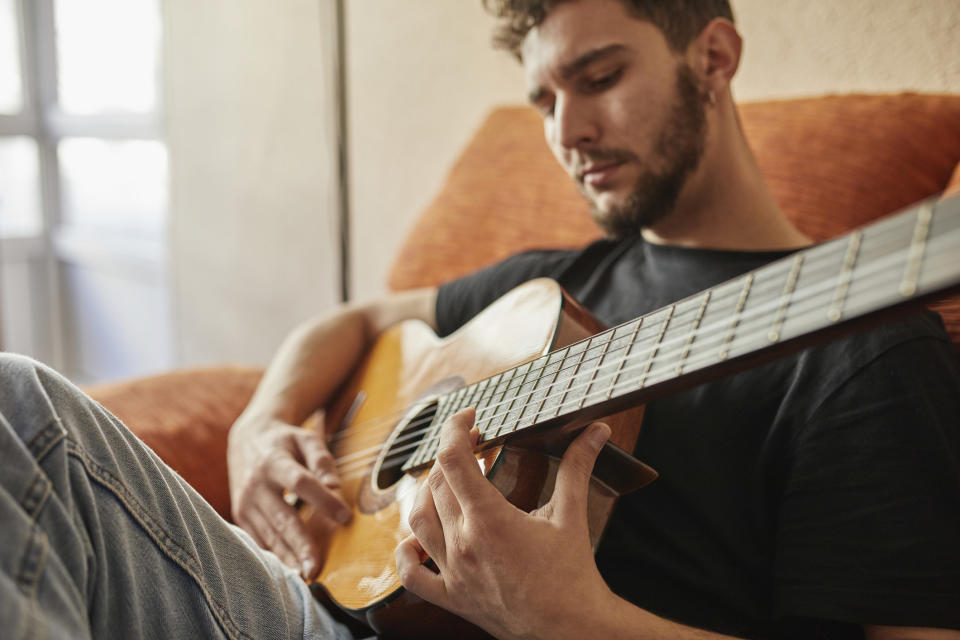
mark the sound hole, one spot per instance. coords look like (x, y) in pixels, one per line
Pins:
(403, 444)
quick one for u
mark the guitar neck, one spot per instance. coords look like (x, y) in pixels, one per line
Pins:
(804, 298)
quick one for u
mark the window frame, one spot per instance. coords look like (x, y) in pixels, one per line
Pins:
(42, 120)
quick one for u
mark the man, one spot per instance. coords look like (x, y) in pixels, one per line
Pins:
(767, 520)
(102, 540)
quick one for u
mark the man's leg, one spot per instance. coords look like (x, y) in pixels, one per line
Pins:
(101, 539)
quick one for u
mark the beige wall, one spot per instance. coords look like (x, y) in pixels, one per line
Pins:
(421, 76)
(249, 101)
(804, 47)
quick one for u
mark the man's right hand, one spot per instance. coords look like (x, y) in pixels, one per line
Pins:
(267, 459)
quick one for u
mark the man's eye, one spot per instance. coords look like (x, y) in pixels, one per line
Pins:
(604, 81)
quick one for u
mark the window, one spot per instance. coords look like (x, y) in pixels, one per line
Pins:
(83, 182)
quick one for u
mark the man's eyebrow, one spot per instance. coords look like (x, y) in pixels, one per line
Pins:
(579, 64)
(576, 66)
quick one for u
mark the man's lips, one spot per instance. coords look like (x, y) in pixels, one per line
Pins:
(598, 174)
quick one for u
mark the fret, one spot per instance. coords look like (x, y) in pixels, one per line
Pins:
(469, 395)
(921, 231)
(632, 340)
(510, 417)
(656, 346)
(527, 412)
(503, 385)
(425, 448)
(483, 404)
(578, 349)
(693, 331)
(444, 411)
(456, 400)
(738, 312)
(596, 368)
(474, 400)
(846, 275)
(788, 288)
(882, 263)
(550, 391)
(553, 362)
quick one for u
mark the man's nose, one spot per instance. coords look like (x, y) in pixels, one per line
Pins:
(574, 126)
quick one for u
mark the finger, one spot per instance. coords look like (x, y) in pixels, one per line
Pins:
(426, 525)
(445, 502)
(270, 539)
(570, 492)
(416, 577)
(291, 530)
(285, 473)
(317, 457)
(460, 469)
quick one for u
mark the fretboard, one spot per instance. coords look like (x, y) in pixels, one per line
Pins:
(905, 258)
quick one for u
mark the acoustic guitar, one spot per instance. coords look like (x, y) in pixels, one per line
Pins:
(538, 368)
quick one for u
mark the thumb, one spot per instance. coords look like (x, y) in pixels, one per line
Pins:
(573, 477)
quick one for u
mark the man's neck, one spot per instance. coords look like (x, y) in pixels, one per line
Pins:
(726, 204)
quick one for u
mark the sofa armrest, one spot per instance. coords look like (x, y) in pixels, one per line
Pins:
(184, 416)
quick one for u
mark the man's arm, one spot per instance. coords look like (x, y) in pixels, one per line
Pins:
(268, 452)
(522, 575)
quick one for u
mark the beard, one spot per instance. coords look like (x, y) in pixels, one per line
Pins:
(676, 155)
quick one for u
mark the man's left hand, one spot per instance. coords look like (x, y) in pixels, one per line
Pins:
(512, 573)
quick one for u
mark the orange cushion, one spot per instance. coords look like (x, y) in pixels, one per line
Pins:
(838, 162)
(184, 417)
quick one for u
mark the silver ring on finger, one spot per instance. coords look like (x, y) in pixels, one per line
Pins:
(291, 498)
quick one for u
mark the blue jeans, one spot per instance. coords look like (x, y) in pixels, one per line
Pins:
(100, 539)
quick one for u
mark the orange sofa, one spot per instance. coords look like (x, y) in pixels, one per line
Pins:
(832, 162)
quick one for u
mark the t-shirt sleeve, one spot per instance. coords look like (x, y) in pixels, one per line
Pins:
(869, 524)
(460, 300)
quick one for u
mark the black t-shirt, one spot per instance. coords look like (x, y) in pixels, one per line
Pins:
(797, 499)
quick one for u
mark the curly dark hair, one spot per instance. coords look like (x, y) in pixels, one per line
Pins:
(680, 20)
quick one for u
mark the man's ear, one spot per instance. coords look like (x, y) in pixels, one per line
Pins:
(715, 54)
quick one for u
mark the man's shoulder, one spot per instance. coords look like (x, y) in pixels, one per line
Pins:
(908, 357)
(461, 299)
(923, 329)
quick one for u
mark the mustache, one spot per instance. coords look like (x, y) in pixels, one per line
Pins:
(601, 156)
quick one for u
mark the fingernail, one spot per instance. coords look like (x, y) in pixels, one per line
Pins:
(307, 567)
(599, 432)
(330, 479)
(343, 516)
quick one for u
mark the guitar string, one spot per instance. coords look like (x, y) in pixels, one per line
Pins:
(608, 370)
(667, 354)
(758, 311)
(394, 461)
(556, 374)
(399, 460)
(877, 240)
(812, 267)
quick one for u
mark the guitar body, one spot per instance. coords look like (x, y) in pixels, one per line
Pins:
(407, 365)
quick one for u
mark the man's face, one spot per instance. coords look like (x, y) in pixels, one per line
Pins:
(623, 113)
